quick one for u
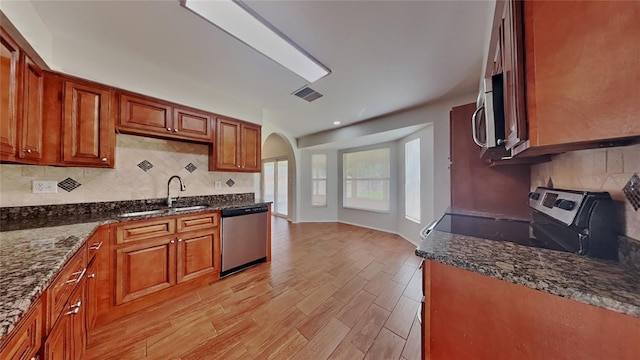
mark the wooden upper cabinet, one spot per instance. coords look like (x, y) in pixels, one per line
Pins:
(193, 124)
(238, 147)
(511, 47)
(250, 147)
(30, 124)
(9, 88)
(88, 135)
(21, 105)
(146, 116)
(587, 80)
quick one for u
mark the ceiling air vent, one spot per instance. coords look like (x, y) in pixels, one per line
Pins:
(308, 94)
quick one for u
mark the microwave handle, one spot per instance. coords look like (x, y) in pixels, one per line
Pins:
(473, 127)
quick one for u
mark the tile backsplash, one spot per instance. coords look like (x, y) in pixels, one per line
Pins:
(596, 170)
(143, 167)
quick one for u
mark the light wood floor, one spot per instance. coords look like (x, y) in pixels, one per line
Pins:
(332, 291)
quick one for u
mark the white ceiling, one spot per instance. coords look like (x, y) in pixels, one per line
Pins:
(384, 55)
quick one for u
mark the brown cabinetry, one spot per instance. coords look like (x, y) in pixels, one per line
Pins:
(88, 134)
(151, 256)
(146, 116)
(472, 316)
(67, 339)
(25, 341)
(20, 105)
(237, 147)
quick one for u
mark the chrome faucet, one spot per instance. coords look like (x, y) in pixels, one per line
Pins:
(182, 188)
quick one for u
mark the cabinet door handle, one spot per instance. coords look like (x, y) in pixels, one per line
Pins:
(104, 159)
(95, 246)
(179, 240)
(80, 275)
(28, 151)
(172, 242)
(73, 312)
(175, 130)
(168, 129)
(76, 305)
(91, 276)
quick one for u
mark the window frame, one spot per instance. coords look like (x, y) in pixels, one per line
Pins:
(407, 182)
(387, 179)
(314, 179)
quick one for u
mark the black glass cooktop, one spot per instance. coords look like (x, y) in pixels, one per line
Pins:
(487, 228)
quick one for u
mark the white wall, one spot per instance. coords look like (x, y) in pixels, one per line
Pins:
(25, 18)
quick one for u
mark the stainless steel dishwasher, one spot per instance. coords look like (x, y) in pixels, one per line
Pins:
(244, 238)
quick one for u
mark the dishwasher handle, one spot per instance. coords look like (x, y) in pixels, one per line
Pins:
(244, 211)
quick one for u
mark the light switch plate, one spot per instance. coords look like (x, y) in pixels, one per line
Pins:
(45, 187)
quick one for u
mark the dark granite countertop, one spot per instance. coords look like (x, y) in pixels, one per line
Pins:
(601, 283)
(34, 249)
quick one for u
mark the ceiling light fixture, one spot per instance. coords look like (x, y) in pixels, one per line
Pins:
(336, 122)
(239, 21)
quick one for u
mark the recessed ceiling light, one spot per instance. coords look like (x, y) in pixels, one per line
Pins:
(336, 122)
(239, 21)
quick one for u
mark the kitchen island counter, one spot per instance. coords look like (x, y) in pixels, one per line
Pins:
(605, 284)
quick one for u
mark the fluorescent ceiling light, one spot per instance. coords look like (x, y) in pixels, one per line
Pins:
(240, 22)
(336, 122)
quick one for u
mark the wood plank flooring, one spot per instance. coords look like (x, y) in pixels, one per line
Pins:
(332, 291)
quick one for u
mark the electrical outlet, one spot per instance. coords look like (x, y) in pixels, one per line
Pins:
(45, 187)
(217, 184)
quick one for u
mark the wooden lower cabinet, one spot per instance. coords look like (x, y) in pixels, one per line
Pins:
(144, 268)
(92, 294)
(147, 265)
(472, 316)
(27, 338)
(67, 339)
(196, 256)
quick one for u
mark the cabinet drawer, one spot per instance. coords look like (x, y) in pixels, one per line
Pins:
(145, 229)
(60, 290)
(198, 222)
(27, 337)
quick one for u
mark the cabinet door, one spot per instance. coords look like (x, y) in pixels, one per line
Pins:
(197, 255)
(142, 116)
(76, 311)
(583, 85)
(9, 83)
(58, 344)
(88, 128)
(144, 269)
(26, 338)
(192, 125)
(250, 148)
(92, 294)
(227, 145)
(30, 125)
(512, 52)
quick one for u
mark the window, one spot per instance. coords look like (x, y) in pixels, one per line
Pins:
(412, 180)
(366, 179)
(319, 179)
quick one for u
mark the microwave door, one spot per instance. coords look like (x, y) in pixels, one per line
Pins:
(478, 123)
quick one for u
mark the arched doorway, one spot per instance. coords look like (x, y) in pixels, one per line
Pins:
(278, 175)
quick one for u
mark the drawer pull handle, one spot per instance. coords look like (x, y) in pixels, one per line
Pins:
(73, 312)
(95, 246)
(91, 276)
(80, 275)
(76, 305)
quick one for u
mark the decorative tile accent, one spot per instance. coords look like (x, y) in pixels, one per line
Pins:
(230, 183)
(191, 168)
(632, 191)
(145, 165)
(68, 184)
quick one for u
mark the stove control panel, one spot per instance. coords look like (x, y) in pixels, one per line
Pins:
(562, 205)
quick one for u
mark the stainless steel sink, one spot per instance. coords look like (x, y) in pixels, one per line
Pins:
(188, 208)
(143, 213)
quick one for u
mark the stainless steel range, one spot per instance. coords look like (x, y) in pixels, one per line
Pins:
(580, 222)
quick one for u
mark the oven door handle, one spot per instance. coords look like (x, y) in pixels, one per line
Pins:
(474, 126)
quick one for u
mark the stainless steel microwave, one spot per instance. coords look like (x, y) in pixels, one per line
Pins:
(488, 120)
